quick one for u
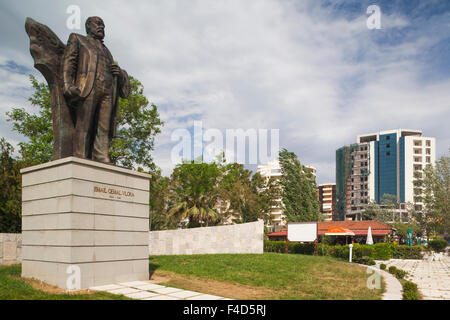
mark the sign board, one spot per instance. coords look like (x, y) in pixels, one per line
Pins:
(302, 231)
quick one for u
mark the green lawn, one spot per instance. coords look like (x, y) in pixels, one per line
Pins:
(279, 276)
(14, 288)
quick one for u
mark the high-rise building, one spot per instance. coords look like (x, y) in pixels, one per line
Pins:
(379, 165)
(273, 170)
(327, 199)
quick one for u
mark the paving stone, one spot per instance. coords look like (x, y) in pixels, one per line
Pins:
(432, 277)
(133, 284)
(141, 295)
(205, 297)
(124, 291)
(166, 290)
(150, 287)
(184, 294)
(162, 297)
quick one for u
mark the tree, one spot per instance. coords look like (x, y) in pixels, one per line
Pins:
(37, 128)
(10, 192)
(138, 124)
(434, 192)
(384, 212)
(158, 202)
(195, 192)
(248, 197)
(299, 190)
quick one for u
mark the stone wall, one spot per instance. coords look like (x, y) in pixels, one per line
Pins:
(10, 248)
(237, 238)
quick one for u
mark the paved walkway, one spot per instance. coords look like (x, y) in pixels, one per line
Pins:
(147, 290)
(432, 277)
(393, 288)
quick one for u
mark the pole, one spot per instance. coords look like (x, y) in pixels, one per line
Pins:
(287, 239)
(351, 249)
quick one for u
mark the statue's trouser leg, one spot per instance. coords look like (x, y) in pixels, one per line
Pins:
(85, 113)
(101, 140)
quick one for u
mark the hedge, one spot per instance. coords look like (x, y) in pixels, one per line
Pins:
(438, 244)
(410, 291)
(378, 251)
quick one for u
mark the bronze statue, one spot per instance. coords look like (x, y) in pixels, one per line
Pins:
(84, 83)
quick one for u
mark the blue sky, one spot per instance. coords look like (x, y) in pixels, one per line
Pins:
(311, 69)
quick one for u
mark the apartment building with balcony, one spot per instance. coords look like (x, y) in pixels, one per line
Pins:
(380, 164)
(327, 199)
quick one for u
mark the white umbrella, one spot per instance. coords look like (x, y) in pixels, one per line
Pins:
(369, 236)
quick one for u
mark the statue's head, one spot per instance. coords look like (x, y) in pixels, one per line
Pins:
(95, 27)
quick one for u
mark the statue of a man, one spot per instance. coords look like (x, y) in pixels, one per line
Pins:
(92, 84)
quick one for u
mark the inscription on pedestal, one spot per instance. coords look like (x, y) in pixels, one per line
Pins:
(113, 193)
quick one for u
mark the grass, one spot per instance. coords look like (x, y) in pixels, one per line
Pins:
(266, 276)
(13, 287)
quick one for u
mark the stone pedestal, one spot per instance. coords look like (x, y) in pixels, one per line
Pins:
(84, 215)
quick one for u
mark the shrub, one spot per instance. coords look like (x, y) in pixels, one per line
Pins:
(382, 266)
(392, 269)
(406, 252)
(410, 291)
(400, 274)
(365, 260)
(438, 244)
(382, 251)
(302, 248)
(274, 246)
(324, 250)
(360, 251)
(341, 252)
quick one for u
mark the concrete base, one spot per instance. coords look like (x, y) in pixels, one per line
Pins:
(86, 216)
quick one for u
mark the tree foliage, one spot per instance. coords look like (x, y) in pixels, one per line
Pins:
(10, 192)
(299, 190)
(138, 124)
(206, 194)
(36, 127)
(383, 212)
(434, 216)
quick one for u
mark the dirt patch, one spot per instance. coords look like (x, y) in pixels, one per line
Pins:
(214, 287)
(42, 286)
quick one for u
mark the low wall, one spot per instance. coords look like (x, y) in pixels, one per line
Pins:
(237, 238)
(10, 248)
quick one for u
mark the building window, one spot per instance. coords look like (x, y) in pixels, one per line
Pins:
(428, 143)
(428, 160)
(388, 137)
(428, 151)
(388, 145)
(388, 153)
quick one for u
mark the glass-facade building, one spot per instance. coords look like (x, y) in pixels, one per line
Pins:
(381, 166)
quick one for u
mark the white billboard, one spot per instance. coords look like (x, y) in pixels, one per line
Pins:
(302, 231)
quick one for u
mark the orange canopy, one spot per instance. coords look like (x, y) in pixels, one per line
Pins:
(337, 231)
